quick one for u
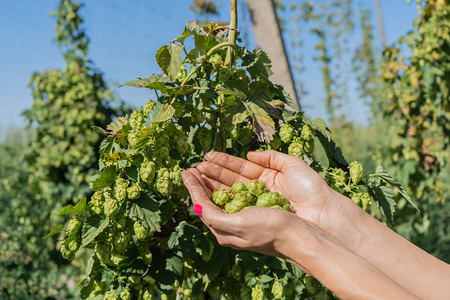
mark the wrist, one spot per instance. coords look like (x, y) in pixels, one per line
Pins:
(341, 219)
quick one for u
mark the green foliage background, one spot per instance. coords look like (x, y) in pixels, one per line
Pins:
(409, 95)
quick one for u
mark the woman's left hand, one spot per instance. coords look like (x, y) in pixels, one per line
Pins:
(257, 229)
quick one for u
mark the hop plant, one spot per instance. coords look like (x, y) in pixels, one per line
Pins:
(306, 133)
(134, 191)
(141, 231)
(356, 172)
(256, 187)
(111, 206)
(163, 182)
(120, 189)
(257, 292)
(220, 197)
(147, 172)
(277, 289)
(296, 148)
(286, 133)
(238, 187)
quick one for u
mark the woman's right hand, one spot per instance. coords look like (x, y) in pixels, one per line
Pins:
(288, 175)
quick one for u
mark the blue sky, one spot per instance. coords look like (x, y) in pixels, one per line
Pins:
(124, 38)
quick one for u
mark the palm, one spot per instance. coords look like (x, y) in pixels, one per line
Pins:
(285, 174)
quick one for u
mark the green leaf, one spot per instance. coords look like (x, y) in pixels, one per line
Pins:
(117, 124)
(70, 209)
(383, 197)
(155, 81)
(146, 210)
(168, 58)
(319, 124)
(160, 113)
(264, 125)
(55, 230)
(265, 278)
(333, 152)
(93, 226)
(175, 264)
(105, 179)
(257, 63)
(106, 145)
(381, 173)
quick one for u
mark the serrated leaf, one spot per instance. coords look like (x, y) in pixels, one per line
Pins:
(93, 226)
(148, 82)
(333, 152)
(383, 197)
(106, 145)
(105, 179)
(168, 58)
(264, 125)
(175, 264)
(381, 173)
(146, 210)
(319, 124)
(160, 113)
(117, 124)
(55, 230)
(257, 64)
(70, 209)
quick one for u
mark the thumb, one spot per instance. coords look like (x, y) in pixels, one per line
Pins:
(274, 160)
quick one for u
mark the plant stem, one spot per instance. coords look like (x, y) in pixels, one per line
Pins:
(233, 29)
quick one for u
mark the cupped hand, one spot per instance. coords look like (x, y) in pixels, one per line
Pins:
(289, 175)
(242, 230)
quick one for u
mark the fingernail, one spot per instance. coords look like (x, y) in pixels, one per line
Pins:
(208, 155)
(251, 151)
(201, 167)
(183, 175)
(198, 209)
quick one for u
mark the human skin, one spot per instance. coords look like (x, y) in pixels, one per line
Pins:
(335, 215)
(298, 241)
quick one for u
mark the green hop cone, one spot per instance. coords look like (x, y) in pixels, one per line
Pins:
(276, 206)
(141, 231)
(125, 294)
(73, 226)
(245, 197)
(238, 187)
(175, 176)
(256, 187)
(339, 178)
(365, 200)
(356, 172)
(307, 133)
(182, 74)
(275, 143)
(309, 146)
(234, 133)
(136, 120)
(97, 202)
(268, 199)
(66, 253)
(147, 108)
(120, 241)
(356, 197)
(111, 295)
(277, 289)
(286, 133)
(234, 206)
(163, 183)
(296, 149)
(98, 288)
(257, 293)
(134, 191)
(181, 141)
(162, 138)
(103, 252)
(161, 151)
(144, 252)
(220, 197)
(236, 272)
(147, 172)
(120, 189)
(216, 60)
(111, 206)
(197, 117)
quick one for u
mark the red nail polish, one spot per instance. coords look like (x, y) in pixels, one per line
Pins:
(198, 209)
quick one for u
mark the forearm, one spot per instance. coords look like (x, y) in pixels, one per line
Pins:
(346, 274)
(410, 266)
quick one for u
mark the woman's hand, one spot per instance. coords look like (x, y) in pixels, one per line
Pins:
(242, 230)
(288, 175)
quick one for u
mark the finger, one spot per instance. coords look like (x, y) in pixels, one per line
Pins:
(214, 185)
(274, 160)
(210, 214)
(220, 173)
(235, 164)
(196, 173)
